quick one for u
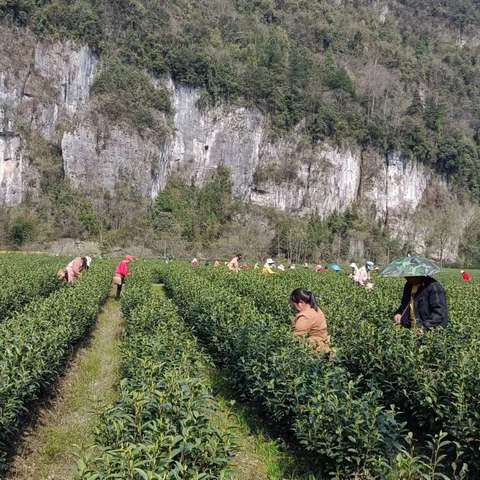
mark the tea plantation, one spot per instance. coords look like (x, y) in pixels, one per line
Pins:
(390, 404)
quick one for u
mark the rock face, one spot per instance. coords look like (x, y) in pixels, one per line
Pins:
(44, 88)
(11, 169)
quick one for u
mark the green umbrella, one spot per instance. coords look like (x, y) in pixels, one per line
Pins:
(411, 267)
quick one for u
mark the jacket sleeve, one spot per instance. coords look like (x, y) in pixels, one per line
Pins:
(405, 300)
(437, 302)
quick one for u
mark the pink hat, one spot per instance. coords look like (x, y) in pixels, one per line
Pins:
(129, 258)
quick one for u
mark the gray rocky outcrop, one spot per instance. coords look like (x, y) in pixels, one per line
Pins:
(45, 91)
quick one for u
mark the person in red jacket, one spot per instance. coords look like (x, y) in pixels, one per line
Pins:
(467, 277)
(121, 272)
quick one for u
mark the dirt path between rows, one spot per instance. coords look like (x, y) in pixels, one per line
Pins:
(50, 449)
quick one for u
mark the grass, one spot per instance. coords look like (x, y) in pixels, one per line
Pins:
(260, 454)
(66, 427)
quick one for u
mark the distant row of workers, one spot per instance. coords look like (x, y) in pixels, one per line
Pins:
(268, 266)
(360, 275)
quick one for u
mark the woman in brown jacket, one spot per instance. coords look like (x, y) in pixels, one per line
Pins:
(310, 321)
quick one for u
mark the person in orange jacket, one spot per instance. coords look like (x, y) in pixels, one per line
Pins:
(310, 322)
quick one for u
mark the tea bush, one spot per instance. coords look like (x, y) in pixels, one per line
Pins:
(429, 378)
(312, 398)
(36, 343)
(160, 428)
(24, 278)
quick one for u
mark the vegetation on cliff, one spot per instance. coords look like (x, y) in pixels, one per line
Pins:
(388, 74)
(385, 75)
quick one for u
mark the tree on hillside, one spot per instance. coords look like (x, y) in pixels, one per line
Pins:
(440, 220)
(198, 214)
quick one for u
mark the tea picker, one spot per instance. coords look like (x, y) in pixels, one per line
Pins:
(121, 272)
(234, 264)
(424, 301)
(310, 322)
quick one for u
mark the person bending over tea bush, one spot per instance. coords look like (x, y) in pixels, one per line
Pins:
(310, 322)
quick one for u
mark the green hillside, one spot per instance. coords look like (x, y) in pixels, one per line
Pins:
(389, 75)
(384, 76)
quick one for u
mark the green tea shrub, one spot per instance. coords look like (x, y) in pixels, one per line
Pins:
(161, 426)
(307, 396)
(36, 343)
(24, 278)
(429, 378)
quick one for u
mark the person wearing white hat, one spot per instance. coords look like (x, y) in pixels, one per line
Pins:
(267, 267)
(361, 275)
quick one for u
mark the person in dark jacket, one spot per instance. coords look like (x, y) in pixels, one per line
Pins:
(424, 304)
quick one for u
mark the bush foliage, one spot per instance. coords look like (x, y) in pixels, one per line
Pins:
(36, 343)
(161, 426)
(350, 410)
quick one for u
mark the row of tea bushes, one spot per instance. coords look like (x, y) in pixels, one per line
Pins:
(36, 343)
(342, 428)
(160, 427)
(24, 278)
(430, 378)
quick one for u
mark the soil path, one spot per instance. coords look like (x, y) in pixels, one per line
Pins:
(49, 450)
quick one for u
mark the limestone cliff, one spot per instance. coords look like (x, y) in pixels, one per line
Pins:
(44, 92)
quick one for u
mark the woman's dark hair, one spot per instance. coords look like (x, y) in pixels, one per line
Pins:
(302, 295)
(84, 263)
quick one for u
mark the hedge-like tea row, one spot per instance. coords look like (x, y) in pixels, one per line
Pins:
(160, 428)
(24, 278)
(431, 378)
(344, 429)
(35, 344)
